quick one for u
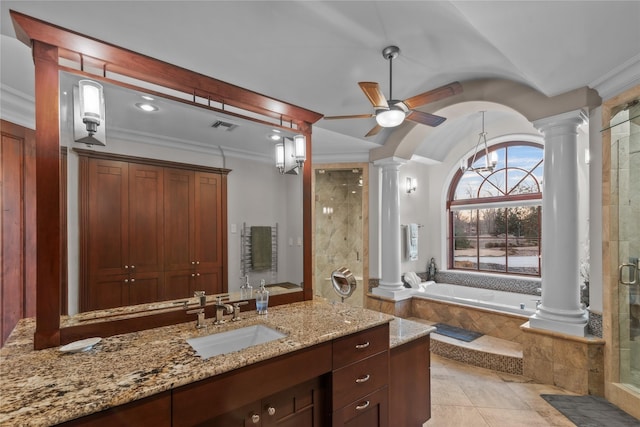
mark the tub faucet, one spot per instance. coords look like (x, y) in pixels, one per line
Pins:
(221, 310)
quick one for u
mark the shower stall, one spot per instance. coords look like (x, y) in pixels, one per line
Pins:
(341, 238)
(621, 196)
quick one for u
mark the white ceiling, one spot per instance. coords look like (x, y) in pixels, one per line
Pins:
(313, 53)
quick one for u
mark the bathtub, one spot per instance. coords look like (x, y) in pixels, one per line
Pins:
(507, 302)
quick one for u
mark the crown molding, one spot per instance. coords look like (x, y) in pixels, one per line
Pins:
(623, 77)
(17, 107)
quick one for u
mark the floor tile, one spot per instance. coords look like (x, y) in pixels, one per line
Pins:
(455, 416)
(468, 396)
(498, 417)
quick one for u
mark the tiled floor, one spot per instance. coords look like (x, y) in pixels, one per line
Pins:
(467, 396)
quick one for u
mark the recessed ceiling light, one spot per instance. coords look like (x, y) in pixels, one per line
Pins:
(146, 107)
(148, 98)
(275, 137)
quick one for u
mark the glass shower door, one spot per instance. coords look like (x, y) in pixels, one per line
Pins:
(626, 174)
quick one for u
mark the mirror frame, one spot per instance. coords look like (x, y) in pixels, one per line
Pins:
(50, 44)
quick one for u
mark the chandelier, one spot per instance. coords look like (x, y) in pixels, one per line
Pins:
(490, 159)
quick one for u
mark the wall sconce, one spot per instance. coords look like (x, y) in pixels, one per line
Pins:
(89, 114)
(291, 154)
(412, 185)
(490, 159)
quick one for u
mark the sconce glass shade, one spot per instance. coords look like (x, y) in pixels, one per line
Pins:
(300, 146)
(493, 159)
(412, 184)
(280, 156)
(91, 104)
(390, 118)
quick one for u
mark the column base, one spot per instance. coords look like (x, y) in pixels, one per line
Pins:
(395, 293)
(572, 326)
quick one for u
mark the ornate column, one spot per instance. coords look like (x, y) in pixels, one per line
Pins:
(560, 309)
(390, 237)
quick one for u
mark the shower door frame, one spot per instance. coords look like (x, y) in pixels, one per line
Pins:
(616, 392)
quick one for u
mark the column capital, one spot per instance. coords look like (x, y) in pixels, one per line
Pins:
(572, 119)
(390, 162)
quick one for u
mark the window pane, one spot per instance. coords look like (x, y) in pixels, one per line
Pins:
(494, 185)
(468, 186)
(464, 244)
(464, 223)
(523, 256)
(493, 254)
(524, 157)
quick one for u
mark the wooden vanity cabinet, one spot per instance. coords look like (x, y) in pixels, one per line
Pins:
(294, 385)
(360, 378)
(299, 406)
(410, 383)
(151, 411)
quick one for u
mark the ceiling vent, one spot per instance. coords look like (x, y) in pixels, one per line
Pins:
(219, 124)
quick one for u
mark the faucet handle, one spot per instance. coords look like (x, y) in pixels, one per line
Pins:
(236, 310)
(200, 319)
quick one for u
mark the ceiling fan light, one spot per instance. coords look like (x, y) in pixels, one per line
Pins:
(390, 118)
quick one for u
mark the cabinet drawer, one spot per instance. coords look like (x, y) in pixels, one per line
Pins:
(357, 346)
(359, 379)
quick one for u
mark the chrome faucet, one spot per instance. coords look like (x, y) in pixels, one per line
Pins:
(202, 301)
(221, 310)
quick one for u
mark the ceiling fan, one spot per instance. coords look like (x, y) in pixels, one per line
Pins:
(392, 112)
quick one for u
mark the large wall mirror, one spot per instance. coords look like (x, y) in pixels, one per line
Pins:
(200, 121)
(258, 195)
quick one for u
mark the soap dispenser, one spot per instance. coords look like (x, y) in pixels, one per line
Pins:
(246, 290)
(262, 298)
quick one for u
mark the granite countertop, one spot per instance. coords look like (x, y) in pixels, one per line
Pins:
(402, 331)
(45, 387)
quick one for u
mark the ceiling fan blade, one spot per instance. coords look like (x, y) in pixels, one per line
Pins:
(353, 116)
(374, 131)
(433, 95)
(425, 118)
(375, 95)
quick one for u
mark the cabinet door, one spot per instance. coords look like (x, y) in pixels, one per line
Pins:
(410, 383)
(299, 406)
(107, 227)
(370, 411)
(179, 222)
(146, 201)
(208, 281)
(144, 287)
(246, 416)
(151, 411)
(208, 220)
(178, 284)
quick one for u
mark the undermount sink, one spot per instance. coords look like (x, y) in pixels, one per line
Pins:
(238, 339)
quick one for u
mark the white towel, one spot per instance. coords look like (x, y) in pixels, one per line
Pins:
(412, 242)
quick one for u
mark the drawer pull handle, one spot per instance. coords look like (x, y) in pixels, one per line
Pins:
(363, 379)
(255, 418)
(271, 410)
(361, 346)
(365, 405)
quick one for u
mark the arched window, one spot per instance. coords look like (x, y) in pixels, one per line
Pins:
(495, 216)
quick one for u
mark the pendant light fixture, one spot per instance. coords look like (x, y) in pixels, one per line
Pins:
(490, 159)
